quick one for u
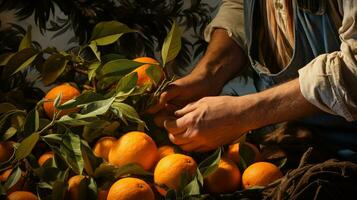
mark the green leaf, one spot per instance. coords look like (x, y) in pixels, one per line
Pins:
(71, 151)
(90, 111)
(154, 73)
(53, 67)
(83, 99)
(4, 58)
(105, 171)
(210, 164)
(99, 128)
(26, 40)
(125, 111)
(192, 188)
(19, 61)
(119, 67)
(26, 146)
(91, 162)
(126, 85)
(105, 33)
(92, 69)
(93, 46)
(172, 44)
(131, 169)
(246, 156)
(8, 134)
(32, 122)
(6, 107)
(59, 189)
(13, 178)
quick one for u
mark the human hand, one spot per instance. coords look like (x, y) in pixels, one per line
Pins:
(211, 122)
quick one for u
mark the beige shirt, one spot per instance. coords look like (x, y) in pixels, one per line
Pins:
(330, 80)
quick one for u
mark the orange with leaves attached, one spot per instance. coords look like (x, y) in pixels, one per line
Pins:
(134, 147)
(130, 189)
(225, 179)
(169, 171)
(68, 92)
(143, 78)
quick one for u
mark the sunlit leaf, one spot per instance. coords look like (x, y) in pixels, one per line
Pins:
(154, 73)
(4, 58)
(93, 46)
(172, 44)
(26, 146)
(119, 67)
(126, 112)
(82, 99)
(53, 67)
(13, 178)
(26, 40)
(105, 33)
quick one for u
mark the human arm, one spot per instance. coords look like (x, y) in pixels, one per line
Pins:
(223, 59)
(214, 121)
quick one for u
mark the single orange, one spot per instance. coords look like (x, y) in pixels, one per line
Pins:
(143, 78)
(170, 169)
(73, 186)
(260, 174)
(102, 147)
(134, 147)
(68, 92)
(44, 157)
(165, 151)
(22, 195)
(233, 152)
(225, 179)
(6, 151)
(130, 189)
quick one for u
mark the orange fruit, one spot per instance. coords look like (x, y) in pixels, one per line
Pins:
(170, 169)
(143, 78)
(18, 186)
(102, 147)
(233, 152)
(165, 151)
(102, 194)
(6, 151)
(44, 157)
(130, 189)
(134, 147)
(22, 195)
(260, 174)
(225, 179)
(68, 92)
(73, 186)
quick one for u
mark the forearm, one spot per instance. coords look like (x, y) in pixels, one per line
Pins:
(281, 103)
(223, 59)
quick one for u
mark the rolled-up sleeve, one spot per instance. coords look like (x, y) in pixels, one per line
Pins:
(229, 17)
(330, 80)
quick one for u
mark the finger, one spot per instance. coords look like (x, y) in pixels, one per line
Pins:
(174, 126)
(161, 117)
(179, 139)
(187, 109)
(171, 107)
(171, 92)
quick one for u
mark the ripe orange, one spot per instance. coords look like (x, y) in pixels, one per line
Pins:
(44, 157)
(165, 151)
(170, 169)
(134, 147)
(73, 186)
(130, 189)
(233, 152)
(6, 151)
(225, 179)
(18, 186)
(102, 194)
(143, 78)
(102, 147)
(22, 195)
(68, 92)
(260, 174)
